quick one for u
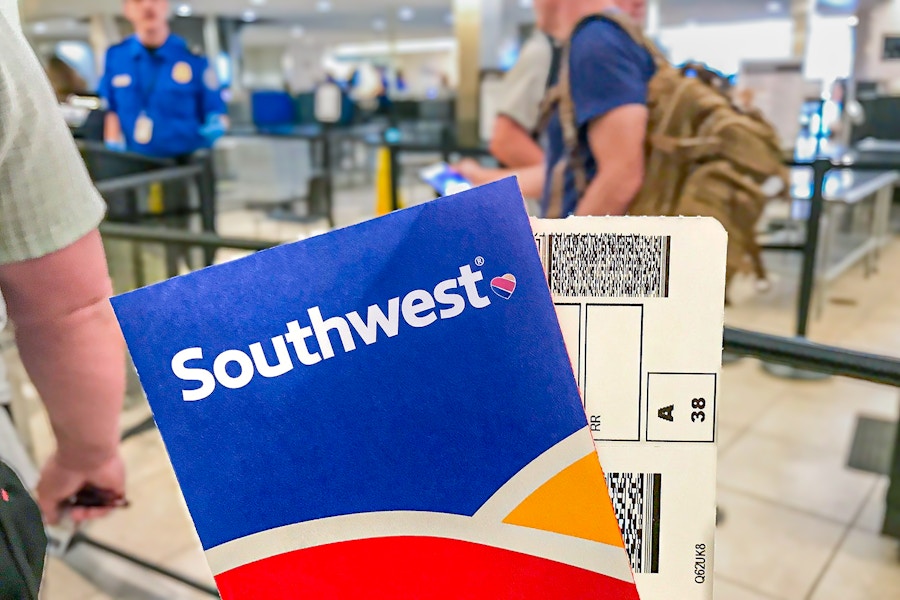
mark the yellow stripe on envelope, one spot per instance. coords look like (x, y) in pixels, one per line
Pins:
(569, 504)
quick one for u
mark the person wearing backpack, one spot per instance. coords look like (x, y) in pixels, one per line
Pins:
(54, 279)
(606, 74)
(515, 139)
(629, 133)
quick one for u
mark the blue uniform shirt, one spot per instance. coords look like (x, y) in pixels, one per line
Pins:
(176, 89)
(607, 70)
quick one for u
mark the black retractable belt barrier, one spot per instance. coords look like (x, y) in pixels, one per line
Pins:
(803, 354)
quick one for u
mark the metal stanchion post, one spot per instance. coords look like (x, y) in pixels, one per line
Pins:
(395, 176)
(206, 185)
(327, 172)
(892, 513)
(821, 167)
(446, 143)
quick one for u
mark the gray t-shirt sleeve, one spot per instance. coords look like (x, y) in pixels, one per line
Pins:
(525, 84)
(47, 199)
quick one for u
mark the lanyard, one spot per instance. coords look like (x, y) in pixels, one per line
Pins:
(154, 66)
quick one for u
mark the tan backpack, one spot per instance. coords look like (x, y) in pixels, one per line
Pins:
(704, 156)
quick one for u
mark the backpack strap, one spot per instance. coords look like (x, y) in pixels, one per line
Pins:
(555, 62)
(560, 98)
(636, 33)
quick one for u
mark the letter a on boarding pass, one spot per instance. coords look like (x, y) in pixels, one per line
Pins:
(385, 411)
(641, 306)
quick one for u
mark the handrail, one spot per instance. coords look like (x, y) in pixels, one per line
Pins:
(163, 235)
(83, 538)
(129, 182)
(100, 149)
(809, 356)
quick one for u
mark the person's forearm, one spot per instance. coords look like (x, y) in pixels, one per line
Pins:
(71, 346)
(112, 128)
(531, 179)
(513, 146)
(610, 193)
(516, 155)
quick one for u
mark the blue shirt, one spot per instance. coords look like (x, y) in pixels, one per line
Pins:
(607, 70)
(175, 88)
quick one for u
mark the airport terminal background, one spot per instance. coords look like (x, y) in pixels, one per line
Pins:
(804, 465)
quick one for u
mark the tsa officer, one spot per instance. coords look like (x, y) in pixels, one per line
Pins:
(163, 100)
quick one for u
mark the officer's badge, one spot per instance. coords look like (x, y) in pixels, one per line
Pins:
(121, 81)
(182, 72)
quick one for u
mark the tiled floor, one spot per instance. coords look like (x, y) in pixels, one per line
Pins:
(796, 523)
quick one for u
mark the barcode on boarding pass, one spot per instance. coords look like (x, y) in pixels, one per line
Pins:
(635, 498)
(606, 265)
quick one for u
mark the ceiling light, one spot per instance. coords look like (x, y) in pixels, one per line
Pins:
(526, 3)
(184, 10)
(406, 13)
(774, 7)
(257, 2)
(853, 21)
(249, 16)
(379, 24)
(297, 31)
(40, 27)
(415, 46)
(323, 5)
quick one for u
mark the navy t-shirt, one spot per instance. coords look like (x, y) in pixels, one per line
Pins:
(607, 70)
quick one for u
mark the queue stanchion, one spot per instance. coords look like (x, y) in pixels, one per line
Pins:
(387, 178)
(383, 194)
(394, 175)
(206, 187)
(820, 167)
(329, 111)
(446, 143)
(891, 525)
(327, 190)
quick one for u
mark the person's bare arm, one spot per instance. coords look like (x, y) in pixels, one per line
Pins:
(617, 143)
(531, 179)
(55, 282)
(72, 348)
(112, 128)
(513, 146)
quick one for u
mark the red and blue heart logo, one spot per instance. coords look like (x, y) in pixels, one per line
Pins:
(504, 286)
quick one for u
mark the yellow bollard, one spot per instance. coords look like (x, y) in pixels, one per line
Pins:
(383, 203)
(155, 203)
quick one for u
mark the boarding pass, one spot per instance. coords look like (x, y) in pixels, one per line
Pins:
(641, 306)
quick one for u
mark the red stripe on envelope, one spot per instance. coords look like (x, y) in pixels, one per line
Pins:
(415, 567)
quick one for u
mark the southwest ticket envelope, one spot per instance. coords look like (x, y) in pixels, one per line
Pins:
(385, 411)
